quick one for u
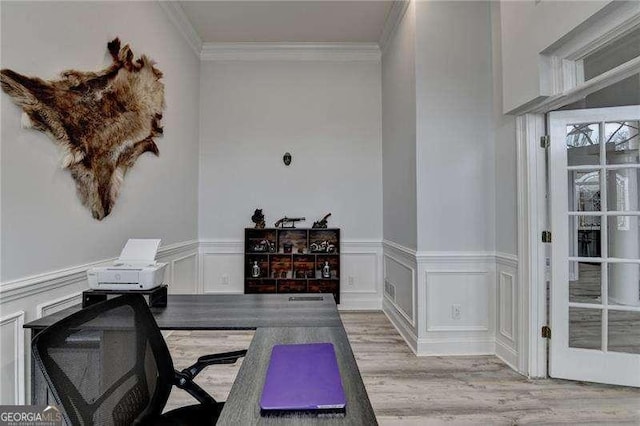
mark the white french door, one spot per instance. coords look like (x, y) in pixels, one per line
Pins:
(594, 171)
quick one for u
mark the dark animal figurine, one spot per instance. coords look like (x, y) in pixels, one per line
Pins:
(258, 219)
(322, 223)
(103, 120)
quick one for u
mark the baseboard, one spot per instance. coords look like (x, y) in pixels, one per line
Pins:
(358, 302)
(456, 346)
(400, 325)
(507, 354)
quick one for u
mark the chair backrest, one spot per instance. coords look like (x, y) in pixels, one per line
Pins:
(107, 364)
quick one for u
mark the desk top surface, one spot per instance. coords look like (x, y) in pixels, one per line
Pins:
(242, 406)
(232, 312)
(278, 318)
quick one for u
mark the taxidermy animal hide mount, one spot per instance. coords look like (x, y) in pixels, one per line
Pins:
(103, 121)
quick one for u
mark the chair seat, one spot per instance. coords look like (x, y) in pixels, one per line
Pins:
(191, 415)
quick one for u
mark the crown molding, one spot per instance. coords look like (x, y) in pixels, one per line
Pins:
(391, 23)
(176, 15)
(339, 52)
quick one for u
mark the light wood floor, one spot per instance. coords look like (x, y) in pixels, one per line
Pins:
(405, 389)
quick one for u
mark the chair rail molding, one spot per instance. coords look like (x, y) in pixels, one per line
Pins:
(28, 286)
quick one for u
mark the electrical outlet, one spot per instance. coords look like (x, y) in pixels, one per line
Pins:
(456, 312)
(351, 280)
(224, 279)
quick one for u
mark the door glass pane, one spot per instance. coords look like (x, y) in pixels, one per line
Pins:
(624, 332)
(584, 195)
(624, 284)
(623, 237)
(583, 144)
(584, 236)
(585, 328)
(622, 189)
(585, 282)
(622, 142)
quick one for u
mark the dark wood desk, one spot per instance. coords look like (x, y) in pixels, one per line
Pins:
(278, 318)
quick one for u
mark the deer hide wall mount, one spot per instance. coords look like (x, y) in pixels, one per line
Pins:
(103, 121)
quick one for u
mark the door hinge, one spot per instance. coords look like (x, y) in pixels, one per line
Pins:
(546, 236)
(546, 332)
(545, 141)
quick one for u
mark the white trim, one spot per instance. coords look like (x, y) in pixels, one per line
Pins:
(507, 354)
(507, 259)
(18, 351)
(400, 248)
(61, 301)
(392, 22)
(454, 256)
(179, 19)
(456, 346)
(341, 52)
(411, 319)
(531, 278)
(401, 326)
(15, 289)
(196, 255)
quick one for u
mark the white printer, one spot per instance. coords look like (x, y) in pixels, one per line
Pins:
(135, 269)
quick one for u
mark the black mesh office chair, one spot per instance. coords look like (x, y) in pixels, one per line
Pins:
(108, 364)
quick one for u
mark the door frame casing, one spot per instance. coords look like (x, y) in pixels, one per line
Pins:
(558, 65)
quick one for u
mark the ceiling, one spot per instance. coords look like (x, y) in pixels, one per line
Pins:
(287, 21)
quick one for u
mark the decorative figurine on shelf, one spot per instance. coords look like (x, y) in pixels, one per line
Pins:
(323, 247)
(288, 222)
(326, 270)
(258, 219)
(322, 223)
(255, 270)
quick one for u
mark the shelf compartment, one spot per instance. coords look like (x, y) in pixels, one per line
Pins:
(292, 286)
(296, 238)
(304, 266)
(334, 265)
(281, 266)
(325, 286)
(324, 241)
(260, 240)
(260, 286)
(263, 263)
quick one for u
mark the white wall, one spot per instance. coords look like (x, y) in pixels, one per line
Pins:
(48, 238)
(504, 134)
(528, 28)
(455, 154)
(399, 133)
(44, 226)
(327, 115)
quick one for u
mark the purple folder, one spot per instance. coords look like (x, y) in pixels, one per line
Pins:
(303, 378)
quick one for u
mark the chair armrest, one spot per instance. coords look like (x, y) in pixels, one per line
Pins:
(207, 360)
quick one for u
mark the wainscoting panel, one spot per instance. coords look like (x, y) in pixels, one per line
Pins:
(400, 291)
(52, 306)
(12, 359)
(184, 275)
(507, 313)
(456, 303)
(467, 291)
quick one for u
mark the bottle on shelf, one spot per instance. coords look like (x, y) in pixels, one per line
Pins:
(326, 270)
(255, 270)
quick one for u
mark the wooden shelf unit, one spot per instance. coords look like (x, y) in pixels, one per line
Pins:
(291, 260)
